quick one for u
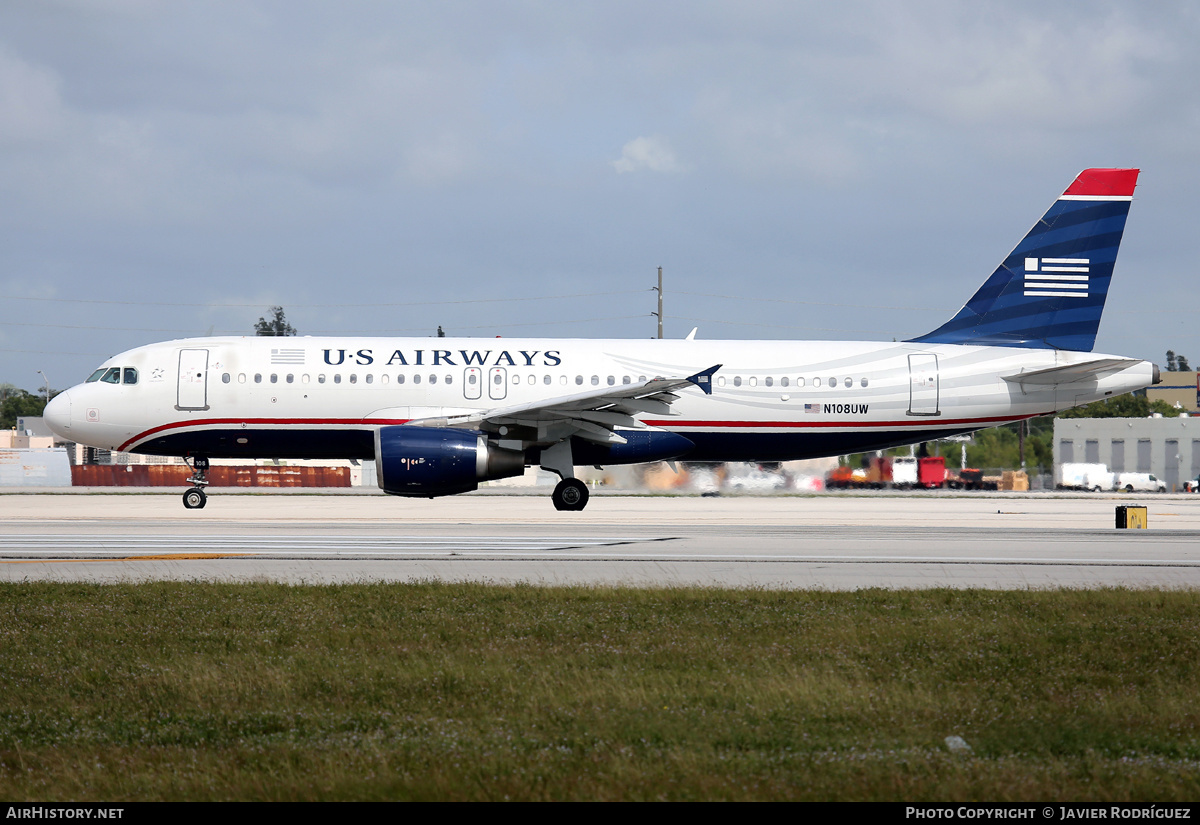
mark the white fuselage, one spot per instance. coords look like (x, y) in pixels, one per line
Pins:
(771, 400)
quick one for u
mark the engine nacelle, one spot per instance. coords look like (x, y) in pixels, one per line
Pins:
(429, 461)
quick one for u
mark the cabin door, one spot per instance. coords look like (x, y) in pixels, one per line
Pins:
(923, 384)
(193, 380)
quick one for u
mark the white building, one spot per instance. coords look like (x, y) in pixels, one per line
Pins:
(1169, 448)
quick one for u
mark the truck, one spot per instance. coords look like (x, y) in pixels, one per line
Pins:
(1140, 483)
(1082, 476)
(931, 472)
(904, 472)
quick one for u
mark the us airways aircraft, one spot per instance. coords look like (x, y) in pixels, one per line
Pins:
(440, 415)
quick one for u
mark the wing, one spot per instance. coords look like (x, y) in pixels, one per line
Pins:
(593, 416)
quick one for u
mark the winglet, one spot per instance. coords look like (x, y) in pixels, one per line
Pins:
(703, 379)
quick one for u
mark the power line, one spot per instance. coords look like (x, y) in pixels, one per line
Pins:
(259, 305)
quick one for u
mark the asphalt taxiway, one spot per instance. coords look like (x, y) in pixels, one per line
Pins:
(825, 542)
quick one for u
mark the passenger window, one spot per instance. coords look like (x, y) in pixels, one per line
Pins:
(472, 379)
(864, 382)
(562, 379)
(753, 381)
(416, 379)
(849, 383)
(433, 379)
(832, 382)
(304, 378)
(321, 378)
(611, 380)
(290, 378)
(274, 378)
(354, 378)
(737, 380)
(578, 379)
(769, 380)
(95, 376)
(258, 378)
(533, 379)
(131, 376)
(370, 379)
(720, 380)
(400, 378)
(225, 378)
(516, 379)
(449, 379)
(241, 378)
(799, 382)
(546, 380)
(337, 378)
(783, 382)
(112, 376)
(816, 382)
(625, 379)
(595, 380)
(383, 379)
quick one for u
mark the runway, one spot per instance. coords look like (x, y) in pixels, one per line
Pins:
(823, 542)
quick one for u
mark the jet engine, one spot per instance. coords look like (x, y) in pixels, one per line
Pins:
(429, 461)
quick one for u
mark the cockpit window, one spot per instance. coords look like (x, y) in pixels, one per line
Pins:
(112, 376)
(130, 375)
(95, 376)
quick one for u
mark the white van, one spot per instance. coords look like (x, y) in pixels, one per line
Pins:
(1140, 483)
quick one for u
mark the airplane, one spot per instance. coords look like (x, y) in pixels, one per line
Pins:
(441, 415)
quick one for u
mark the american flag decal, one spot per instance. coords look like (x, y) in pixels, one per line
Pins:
(1056, 277)
(287, 356)
(812, 409)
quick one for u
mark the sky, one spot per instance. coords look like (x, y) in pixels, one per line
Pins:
(849, 170)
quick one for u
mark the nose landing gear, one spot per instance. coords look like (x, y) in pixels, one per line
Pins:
(195, 498)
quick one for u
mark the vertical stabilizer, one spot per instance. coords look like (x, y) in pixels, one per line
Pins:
(1049, 292)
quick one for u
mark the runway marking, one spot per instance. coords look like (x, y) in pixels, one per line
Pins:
(164, 557)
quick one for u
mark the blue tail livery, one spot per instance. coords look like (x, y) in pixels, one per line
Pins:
(1049, 292)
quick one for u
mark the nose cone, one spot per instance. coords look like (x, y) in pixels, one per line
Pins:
(57, 415)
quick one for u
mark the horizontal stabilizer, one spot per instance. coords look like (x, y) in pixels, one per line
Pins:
(1071, 373)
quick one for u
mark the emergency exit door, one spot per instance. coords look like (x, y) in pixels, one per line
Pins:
(193, 380)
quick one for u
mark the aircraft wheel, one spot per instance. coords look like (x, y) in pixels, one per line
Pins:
(1129, 488)
(195, 499)
(570, 494)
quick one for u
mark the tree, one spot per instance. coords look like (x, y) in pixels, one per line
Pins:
(1177, 363)
(278, 324)
(19, 403)
(1123, 406)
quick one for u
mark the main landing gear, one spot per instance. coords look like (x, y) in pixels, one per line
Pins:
(570, 494)
(195, 498)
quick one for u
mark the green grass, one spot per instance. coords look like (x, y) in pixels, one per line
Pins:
(470, 691)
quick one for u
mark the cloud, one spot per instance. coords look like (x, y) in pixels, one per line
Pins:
(653, 153)
(30, 107)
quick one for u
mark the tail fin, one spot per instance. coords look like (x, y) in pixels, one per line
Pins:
(1050, 290)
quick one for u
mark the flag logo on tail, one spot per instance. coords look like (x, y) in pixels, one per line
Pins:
(1056, 277)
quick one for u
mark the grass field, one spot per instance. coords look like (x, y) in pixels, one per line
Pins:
(448, 691)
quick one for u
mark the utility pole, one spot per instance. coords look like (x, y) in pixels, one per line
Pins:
(660, 297)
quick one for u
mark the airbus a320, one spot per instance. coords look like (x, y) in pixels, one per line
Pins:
(440, 415)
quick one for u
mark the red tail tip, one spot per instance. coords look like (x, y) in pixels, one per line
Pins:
(1117, 183)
